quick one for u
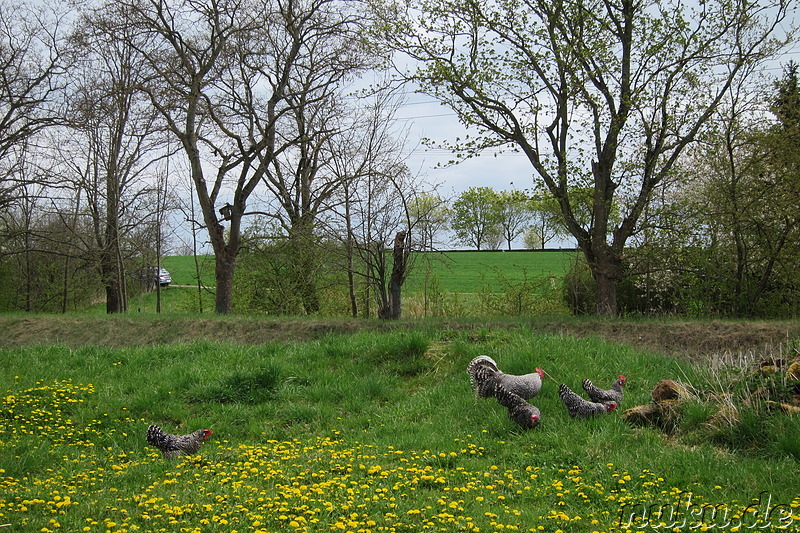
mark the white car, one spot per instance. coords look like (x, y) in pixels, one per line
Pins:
(164, 278)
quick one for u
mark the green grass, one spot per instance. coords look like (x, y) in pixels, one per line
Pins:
(460, 283)
(470, 272)
(359, 432)
(183, 269)
(456, 272)
(455, 283)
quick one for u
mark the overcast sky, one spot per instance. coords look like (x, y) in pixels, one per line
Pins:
(426, 118)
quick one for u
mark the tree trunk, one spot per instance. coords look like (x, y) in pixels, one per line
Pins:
(397, 277)
(225, 265)
(606, 268)
(350, 251)
(606, 295)
(110, 267)
(112, 297)
(111, 281)
(306, 272)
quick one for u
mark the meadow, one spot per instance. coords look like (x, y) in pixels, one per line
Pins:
(366, 432)
(457, 271)
(456, 283)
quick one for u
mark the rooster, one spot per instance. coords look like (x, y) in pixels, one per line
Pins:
(577, 407)
(172, 446)
(520, 411)
(614, 394)
(484, 374)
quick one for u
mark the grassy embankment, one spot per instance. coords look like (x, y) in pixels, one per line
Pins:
(370, 431)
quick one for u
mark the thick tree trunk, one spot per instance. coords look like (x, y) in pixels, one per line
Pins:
(225, 265)
(113, 299)
(110, 261)
(606, 295)
(607, 271)
(112, 283)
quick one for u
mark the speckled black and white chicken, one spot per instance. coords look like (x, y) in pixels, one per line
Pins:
(524, 414)
(484, 374)
(578, 407)
(614, 394)
(172, 446)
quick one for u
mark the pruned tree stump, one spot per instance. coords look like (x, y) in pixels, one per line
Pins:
(666, 389)
(664, 412)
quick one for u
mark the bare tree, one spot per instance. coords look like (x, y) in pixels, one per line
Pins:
(299, 177)
(376, 207)
(189, 48)
(379, 228)
(111, 144)
(238, 83)
(34, 54)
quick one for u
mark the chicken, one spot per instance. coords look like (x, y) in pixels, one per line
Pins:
(614, 394)
(484, 374)
(577, 407)
(524, 414)
(172, 446)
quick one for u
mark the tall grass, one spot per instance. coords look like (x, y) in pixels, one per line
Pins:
(368, 431)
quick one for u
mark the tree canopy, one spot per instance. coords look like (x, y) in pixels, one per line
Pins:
(603, 94)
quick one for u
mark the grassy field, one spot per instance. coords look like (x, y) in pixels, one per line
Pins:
(373, 431)
(469, 272)
(457, 272)
(183, 269)
(460, 282)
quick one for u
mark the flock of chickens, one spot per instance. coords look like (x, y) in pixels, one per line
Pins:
(486, 379)
(512, 392)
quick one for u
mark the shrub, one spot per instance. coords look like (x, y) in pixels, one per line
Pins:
(580, 289)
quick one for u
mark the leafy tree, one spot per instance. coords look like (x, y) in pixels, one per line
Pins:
(724, 240)
(513, 212)
(475, 217)
(786, 106)
(604, 95)
(546, 222)
(429, 215)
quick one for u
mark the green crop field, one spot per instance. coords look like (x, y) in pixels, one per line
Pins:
(470, 272)
(375, 431)
(184, 268)
(462, 272)
(462, 283)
